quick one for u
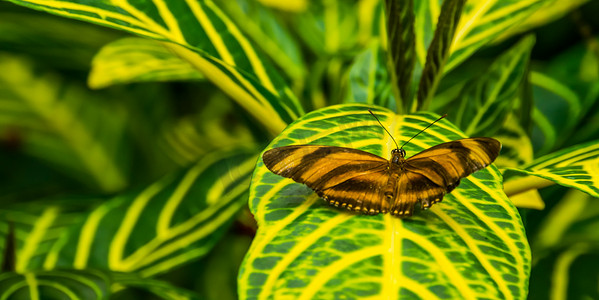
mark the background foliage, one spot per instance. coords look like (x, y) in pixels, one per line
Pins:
(129, 133)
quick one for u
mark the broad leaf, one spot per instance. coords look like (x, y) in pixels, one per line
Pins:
(202, 34)
(486, 101)
(169, 223)
(574, 167)
(131, 60)
(472, 245)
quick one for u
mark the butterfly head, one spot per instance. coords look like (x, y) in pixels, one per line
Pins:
(397, 155)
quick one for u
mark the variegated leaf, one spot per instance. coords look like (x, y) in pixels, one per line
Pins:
(472, 245)
(131, 60)
(199, 32)
(56, 284)
(486, 101)
(169, 223)
(576, 167)
(481, 22)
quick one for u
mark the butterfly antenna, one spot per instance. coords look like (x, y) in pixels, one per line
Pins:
(384, 128)
(425, 128)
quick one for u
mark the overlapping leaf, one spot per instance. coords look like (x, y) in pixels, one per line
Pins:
(486, 101)
(481, 22)
(169, 223)
(271, 35)
(472, 245)
(438, 51)
(57, 284)
(204, 36)
(54, 124)
(576, 167)
(81, 284)
(368, 80)
(136, 60)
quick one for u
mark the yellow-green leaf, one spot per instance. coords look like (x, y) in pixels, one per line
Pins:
(576, 167)
(149, 231)
(131, 60)
(472, 245)
(199, 32)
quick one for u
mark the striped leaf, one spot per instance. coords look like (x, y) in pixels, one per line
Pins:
(485, 102)
(565, 249)
(471, 245)
(63, 124)
(481, 22)
(575, 167)
(169, 223)
(549, 12)
(438, 51)
(199, 32)
(138, 60)
(57, 284)
(400, 36)
(81, 284)
(269, 33)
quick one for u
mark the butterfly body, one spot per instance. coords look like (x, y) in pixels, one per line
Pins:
(363, 182)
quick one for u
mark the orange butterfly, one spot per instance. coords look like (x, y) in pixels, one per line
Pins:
(364, 182)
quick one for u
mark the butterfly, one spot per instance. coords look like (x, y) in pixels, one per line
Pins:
(363, 182)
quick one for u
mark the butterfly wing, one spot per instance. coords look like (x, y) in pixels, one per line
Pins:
(344, 177)
(428, 175)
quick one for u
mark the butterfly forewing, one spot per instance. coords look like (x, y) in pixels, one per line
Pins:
(361, 181)
(445, 164)
(344, 177)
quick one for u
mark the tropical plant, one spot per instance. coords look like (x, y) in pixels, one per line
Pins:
(131, 136)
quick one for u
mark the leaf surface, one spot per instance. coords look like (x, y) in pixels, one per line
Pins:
(471, 245)
(164, 225)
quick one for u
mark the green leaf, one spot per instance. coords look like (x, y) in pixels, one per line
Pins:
(59, 43)
(400, 36)
(270, 34)
(556, 116)
(162, 289)
(472, 245)
(151, 231)
(138, 60)
(549, 12)
(565, 248)
(480, 23)
(438, 51)
(202, 34)
(369, 80)
(335, 27)
(63, 124)
(486, 101)
(55, 284)
(575, 167)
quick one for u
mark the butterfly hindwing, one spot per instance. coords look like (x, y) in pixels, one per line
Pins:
(344, 177)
